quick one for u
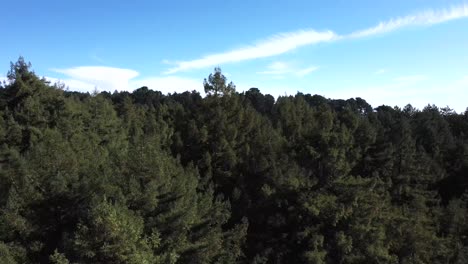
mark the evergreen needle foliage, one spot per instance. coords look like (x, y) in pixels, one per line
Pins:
(232, 177)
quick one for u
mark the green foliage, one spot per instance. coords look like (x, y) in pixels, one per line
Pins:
(232, 177)
(112, 234)
(216, 84)
(58, 258)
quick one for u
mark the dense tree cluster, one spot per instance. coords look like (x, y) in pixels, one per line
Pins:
(232, 177)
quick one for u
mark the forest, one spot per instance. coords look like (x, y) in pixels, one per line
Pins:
(226, 177)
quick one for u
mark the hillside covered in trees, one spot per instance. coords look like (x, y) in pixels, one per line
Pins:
(229, 177)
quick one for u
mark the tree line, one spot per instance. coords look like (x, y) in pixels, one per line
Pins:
(144, 177)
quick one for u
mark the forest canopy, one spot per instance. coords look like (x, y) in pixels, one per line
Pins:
(230, 177)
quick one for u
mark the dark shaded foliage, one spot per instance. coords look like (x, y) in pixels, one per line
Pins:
(232, 177)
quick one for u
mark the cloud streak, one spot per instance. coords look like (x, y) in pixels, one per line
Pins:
(306, 71)
(429, 17)
(279, 68)
(275, 45)
(110, 79)
(285, 42)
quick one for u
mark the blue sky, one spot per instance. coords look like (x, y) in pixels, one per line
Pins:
(387, 52)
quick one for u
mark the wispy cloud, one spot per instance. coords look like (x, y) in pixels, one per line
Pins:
(397, 90)
(306, 71)
(275, 45)
(279, 68)
(284, 42)
(429, 17)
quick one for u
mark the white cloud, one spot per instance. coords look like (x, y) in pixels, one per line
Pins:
(399, 91)
(429, 17)
(103, 78)
(306, 71)
(279, 68)
(2, 79)
(284, 42)
(275, 45)
(87, 78)
(279, 65)
(71, 84)
(74, 85)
